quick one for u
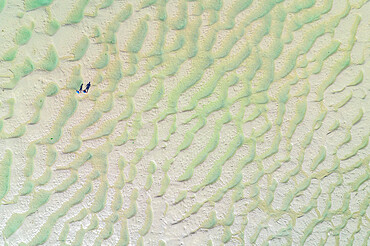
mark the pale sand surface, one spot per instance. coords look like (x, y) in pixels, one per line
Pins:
(207, 122)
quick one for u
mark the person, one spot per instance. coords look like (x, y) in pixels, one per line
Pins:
(80, 89)
(87, 88)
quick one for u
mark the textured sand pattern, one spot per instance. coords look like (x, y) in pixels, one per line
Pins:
(207, 122)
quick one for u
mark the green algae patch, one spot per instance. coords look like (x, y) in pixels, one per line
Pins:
(226, 236)
(73, 146)
(117, 201)
(66, 112)
(5, 173)
(27, 188)
(93, 223)
(358, 117)
(147, 3)
(64, 233)
(152, 167)
(137, 37)
(38, 104)
(80, 48)
(181, 196)
(164, 185)
(102, 60)
(300, 113)
(90, 119)
(124, 238)
(52, 27)
(132, 209)
(114, 74)
(106, 4)
(211, 221)
(96, 32)
(76, 78)
(13, 224)
(39, 199)
(23, 35)
(34, 4)
(180, 21)
(45, 177)
(161, 13)
(10, 54)
(51, 89)
(149, 180)
(343, 102)
(100, 197)
(229, 217)
(125, 13)
(105, 130)
(18, 132)
(79, 237)
(359, 181)
(50, 60)
(122, 139)
(2, 5)
(11, 103)
(79, 162)
(24, 69)
(77, 13)
(359, 78)
(148, 220)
